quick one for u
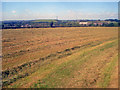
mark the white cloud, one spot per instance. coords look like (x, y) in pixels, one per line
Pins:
(87, 15)
(13, 11)
(28, 14)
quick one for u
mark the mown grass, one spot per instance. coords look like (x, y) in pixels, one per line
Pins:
(107, 72)
(64, 53)
(46, 43)
(66, 69)
(47, 40)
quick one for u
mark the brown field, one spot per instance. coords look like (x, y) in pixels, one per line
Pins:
(72, 57)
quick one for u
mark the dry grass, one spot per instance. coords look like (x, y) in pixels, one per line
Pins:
(35, 49)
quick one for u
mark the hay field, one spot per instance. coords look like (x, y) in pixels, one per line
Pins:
(68, 57)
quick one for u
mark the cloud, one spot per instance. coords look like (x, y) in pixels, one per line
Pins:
(13, 11)
(70, 14)
(28, 14)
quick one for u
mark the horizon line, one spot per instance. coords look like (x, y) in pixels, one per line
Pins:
(58, 19)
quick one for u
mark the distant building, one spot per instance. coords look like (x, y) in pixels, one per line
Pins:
(27, 25)
(83, 23)
(100, 23)
(95, 24)
(22, 26)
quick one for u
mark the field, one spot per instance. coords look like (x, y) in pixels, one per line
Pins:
(68, 57)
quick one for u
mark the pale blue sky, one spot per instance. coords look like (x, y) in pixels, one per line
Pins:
(64, 10)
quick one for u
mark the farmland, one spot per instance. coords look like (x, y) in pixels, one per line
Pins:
(64, 57)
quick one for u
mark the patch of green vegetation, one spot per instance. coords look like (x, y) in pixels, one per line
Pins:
(108, 72)
(62, 72)
(59, 77)
(109, 45)
(14, 86)
(40, 85)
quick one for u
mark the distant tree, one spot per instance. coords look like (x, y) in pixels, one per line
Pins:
(51, 24)
(111, 25)
(103, 24)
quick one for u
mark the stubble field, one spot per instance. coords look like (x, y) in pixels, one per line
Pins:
(68, 57)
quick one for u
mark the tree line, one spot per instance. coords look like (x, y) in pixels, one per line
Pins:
(59, 23)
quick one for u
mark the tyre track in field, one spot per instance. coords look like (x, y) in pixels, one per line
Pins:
(7, 75)
(88, 68)
(90, 73)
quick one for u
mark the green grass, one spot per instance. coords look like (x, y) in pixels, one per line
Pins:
(60, 75)
(108, 46)
(108, 72)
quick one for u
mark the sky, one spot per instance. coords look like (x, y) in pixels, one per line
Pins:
(62, 10)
